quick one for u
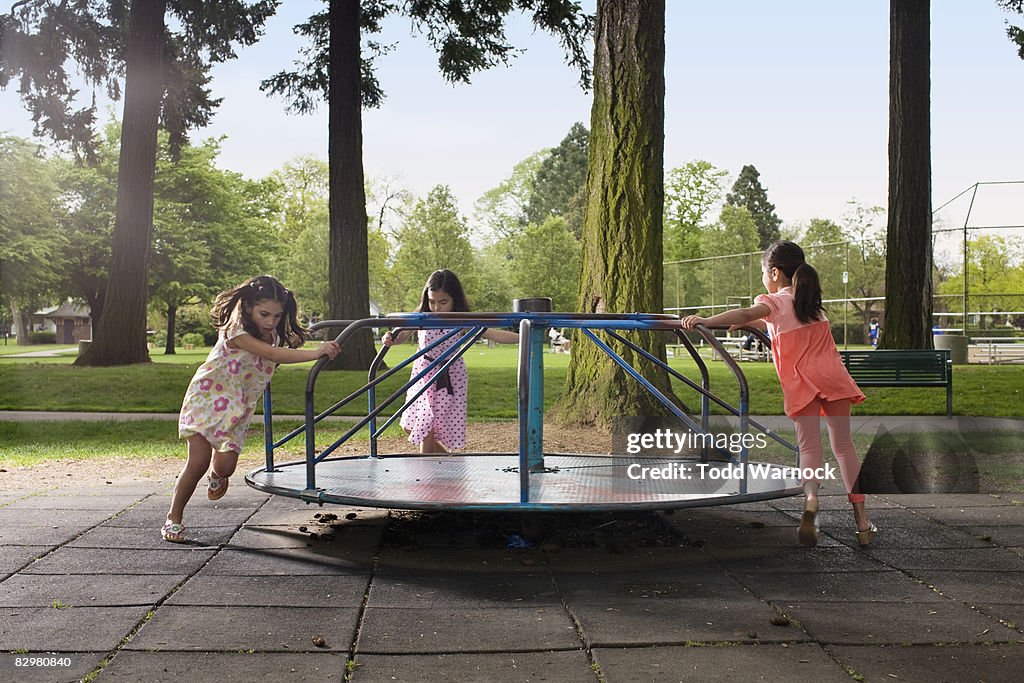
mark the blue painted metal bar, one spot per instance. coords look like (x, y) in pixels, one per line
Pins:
(268, 429)
(705, 393)
(523, 411)
(363, 423)
(535, 419)
(355, 394)
(457, 350)
(672, 407)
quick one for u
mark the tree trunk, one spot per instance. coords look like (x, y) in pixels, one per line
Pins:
(908, 263)
(348, 290)
(172, 314)
(22, 321)
(120, 336)
(621, 256)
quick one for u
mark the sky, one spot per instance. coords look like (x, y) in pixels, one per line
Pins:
(798, 88)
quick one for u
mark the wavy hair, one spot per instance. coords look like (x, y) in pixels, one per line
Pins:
(238, 301)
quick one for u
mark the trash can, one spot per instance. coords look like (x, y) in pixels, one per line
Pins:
(956, 344)
(83, 346)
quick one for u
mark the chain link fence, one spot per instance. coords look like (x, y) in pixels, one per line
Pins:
(978, 278)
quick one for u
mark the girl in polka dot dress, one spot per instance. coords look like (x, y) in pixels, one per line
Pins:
(437, 419)
(256, 319)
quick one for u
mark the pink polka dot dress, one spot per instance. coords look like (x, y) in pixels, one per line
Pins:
(442, 407)
(221, 399)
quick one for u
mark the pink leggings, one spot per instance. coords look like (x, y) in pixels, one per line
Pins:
(808, 436)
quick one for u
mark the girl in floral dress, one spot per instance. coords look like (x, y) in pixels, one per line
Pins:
(814, 380)
(256, 319)
(437, 420)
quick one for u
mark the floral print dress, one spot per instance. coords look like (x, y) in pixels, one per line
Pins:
(441, 409)
(221, 399)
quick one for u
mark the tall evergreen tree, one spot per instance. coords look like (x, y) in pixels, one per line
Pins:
(908, 272)
(561, 182)
(468, 35)
(166, 72)
(748, 192)
(621, 250)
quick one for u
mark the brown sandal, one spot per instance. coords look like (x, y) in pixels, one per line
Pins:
(865, 537)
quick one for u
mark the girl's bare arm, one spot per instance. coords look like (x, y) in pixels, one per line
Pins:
(280, 354)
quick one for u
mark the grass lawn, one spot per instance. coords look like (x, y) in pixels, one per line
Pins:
(54, 384)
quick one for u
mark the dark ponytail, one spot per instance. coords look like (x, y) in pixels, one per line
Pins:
(788, 257)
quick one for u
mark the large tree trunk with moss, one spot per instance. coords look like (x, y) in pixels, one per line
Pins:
(120, 336)
(348, 293)
(621, 259)
(908, 267)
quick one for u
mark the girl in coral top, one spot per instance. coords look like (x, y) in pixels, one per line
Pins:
(814, 380)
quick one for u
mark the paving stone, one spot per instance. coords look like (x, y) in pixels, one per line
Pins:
(981, 559)
(102, 561)
(677, 622)
(946, 500)
(287, 561)
(988, 515)
(1008, 536)
(798, 559)
(274, 516)
(835, 501)
(880, 586)
(653, 559)
(404, 588)
(14, 557)
(725, 516)
(139, 490)
(905, 539)
(751, 536)
(880, 623)
(39, 535)
(1011, 614)
(20, 517)
(199, 501)
(76, 629)
(282, 591)
(63, 667)
(86, 590)
(601, 588)
(793, 662)
(110, 504)
(135, 538)
(351, 538)
(264, 629)
(451, 629)
(153, 516)
(972, 587)
(990, 663)
(567, 666)
(230, 667)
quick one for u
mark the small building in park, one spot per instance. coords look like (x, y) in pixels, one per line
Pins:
(70, 322)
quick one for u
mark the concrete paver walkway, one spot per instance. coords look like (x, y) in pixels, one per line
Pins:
(86, 581)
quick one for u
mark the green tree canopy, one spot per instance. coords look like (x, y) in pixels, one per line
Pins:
(434, 236)
(691, 192)
(1014, 33)
(546, 262)
(747, 191)
(30, 247)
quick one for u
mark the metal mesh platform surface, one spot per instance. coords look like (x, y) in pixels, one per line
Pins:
(490, 481)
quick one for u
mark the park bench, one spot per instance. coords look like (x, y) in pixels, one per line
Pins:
(995, 350)
(899, 368)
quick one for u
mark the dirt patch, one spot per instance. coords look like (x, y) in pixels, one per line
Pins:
(481, 437)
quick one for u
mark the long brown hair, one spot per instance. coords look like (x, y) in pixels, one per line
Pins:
(240, 300)
(788, 257)
(446, 281)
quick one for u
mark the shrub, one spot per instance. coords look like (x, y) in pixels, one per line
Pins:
(193, 338)
(195, 319)
(42, 337)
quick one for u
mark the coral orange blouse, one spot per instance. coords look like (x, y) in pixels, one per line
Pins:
(806, 358)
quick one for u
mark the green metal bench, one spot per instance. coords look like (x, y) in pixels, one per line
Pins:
(912, 368)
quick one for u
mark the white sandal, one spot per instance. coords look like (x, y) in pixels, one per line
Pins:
(217, 488)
